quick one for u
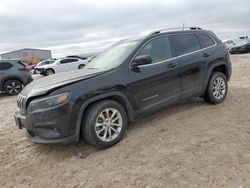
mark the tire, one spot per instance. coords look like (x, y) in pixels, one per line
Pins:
(49, 72)
(13, 87)
(217, 88)
(36, 71)
(81, 66)
(96, 124)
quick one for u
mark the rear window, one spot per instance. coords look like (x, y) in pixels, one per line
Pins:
(21, 64)
(205, 40)
(186, 43)
(5, 66)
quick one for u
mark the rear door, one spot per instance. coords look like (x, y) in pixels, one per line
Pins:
(209, 54)
(190, 57)
(157, 83)
(67, 65)
(75, 64)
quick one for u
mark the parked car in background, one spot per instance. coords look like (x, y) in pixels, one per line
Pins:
(62, 65)
(45, 62)
(240, 45)
(133, 77)
(14, 74)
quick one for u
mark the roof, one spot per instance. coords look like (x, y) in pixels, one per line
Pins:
(25, 49)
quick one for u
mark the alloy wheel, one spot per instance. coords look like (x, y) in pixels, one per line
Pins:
(49, 72)
(13, 87)
(219, 88)
(108, 124)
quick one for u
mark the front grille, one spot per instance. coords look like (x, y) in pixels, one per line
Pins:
(21, 102)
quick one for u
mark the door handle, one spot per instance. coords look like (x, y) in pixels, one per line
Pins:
(206, 55)
(171, 65)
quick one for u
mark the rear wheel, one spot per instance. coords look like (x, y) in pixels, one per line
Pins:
(13, 87)
(104, 124)
(217, 88)
(49, 72)
(81, 66)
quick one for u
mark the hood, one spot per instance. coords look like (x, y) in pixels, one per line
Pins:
(43, 85)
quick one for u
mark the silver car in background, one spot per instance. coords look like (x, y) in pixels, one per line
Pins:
(14, 75)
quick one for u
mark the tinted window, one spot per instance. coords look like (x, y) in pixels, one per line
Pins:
(186, 43)
(5, 66)
(46, 63)
(64, 61)
(21, 64)
(159, 49)
(205, 40)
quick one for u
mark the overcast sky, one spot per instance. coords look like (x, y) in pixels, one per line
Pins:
(81, 26)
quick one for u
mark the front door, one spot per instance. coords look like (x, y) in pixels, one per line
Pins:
(156, 83)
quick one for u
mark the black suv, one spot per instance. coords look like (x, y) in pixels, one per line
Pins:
(131, 78)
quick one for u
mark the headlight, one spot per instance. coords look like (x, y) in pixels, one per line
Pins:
(50, 101)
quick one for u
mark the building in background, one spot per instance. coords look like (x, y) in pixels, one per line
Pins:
(28, 54)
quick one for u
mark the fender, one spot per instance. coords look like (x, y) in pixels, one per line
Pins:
(211, 68)
(128, 107)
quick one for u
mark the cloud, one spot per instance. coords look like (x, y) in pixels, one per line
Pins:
(81, 26)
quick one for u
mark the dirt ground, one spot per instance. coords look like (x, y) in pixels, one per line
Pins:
(192, 144)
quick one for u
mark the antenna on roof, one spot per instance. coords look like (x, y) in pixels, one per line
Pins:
(183, 26)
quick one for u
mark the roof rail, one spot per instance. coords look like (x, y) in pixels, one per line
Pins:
(175, 29)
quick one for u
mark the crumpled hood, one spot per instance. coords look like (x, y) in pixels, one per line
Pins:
(43, 85)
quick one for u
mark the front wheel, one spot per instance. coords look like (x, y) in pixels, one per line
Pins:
(104, 124)
(217, 88)
(49, 72)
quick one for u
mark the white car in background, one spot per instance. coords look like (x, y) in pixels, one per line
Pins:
(42, 63)
(62, 65)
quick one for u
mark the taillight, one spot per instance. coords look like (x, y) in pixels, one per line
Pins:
(24, 69)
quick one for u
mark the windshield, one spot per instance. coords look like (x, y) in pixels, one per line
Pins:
(113, 56)
(45, 62)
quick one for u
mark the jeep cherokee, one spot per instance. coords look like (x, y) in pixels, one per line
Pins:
(129, 79)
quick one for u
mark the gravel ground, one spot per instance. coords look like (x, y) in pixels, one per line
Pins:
(192, 144)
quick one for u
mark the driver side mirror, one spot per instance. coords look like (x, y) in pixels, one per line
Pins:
(142, 60)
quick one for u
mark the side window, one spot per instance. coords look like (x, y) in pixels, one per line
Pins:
(205, 40)
(159, 49)
(186, 43)
(5, 66)
(64, 61)
(21, 64)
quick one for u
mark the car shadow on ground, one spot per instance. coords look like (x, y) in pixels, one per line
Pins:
(6, 96)
(83, 150)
